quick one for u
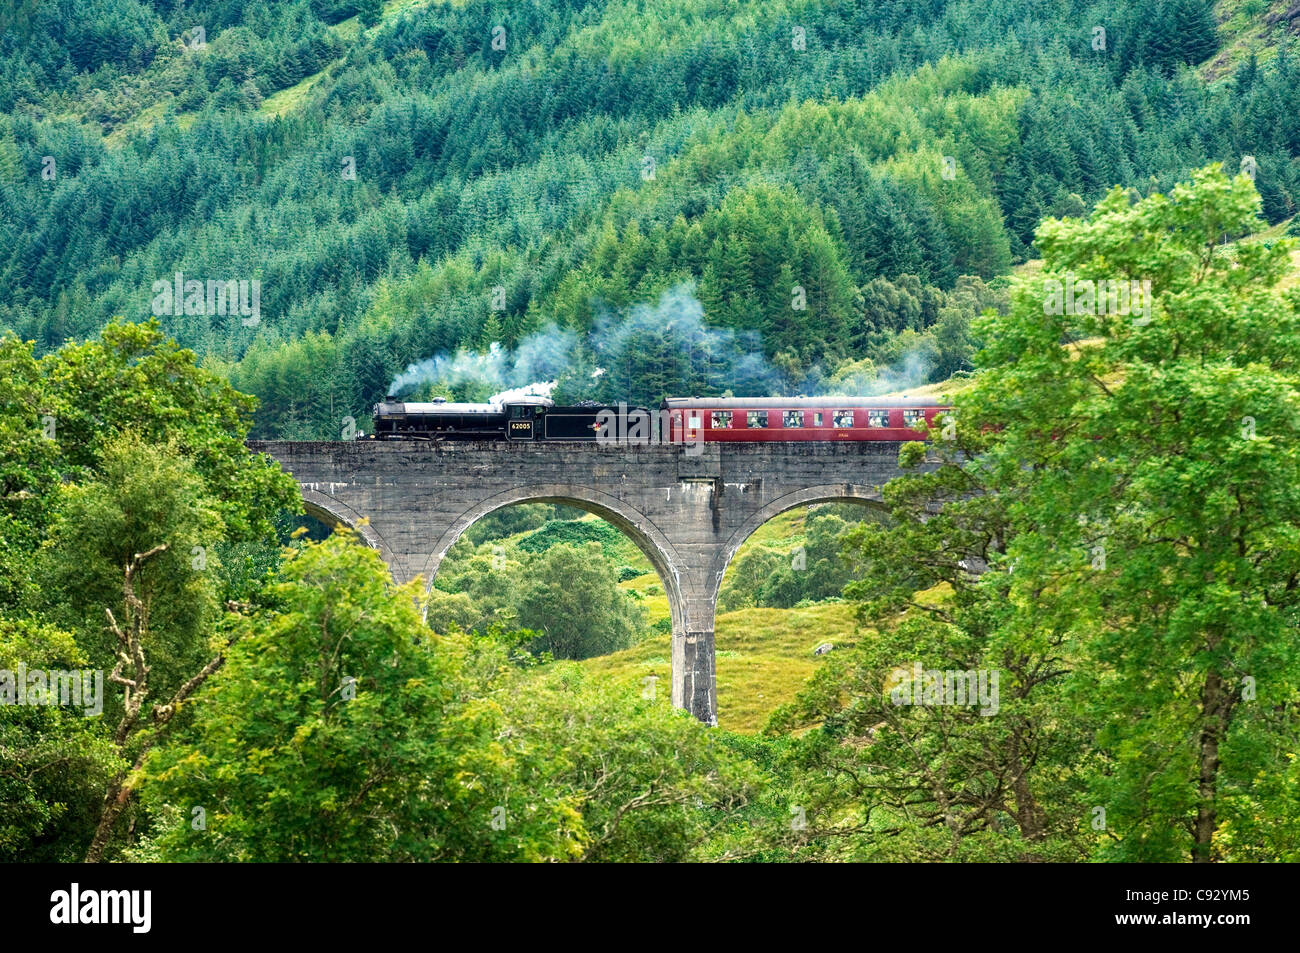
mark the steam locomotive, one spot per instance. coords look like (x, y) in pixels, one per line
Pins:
(678, 420)
(522, 418)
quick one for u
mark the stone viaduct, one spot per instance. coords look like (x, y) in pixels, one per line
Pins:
(688, 509)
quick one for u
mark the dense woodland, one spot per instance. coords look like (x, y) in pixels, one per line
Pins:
(607, 154)
(640, 200)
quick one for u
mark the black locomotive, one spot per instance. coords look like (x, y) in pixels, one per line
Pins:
(521, 418)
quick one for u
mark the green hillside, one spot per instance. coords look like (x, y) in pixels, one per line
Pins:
(697, 198)
(1073, 636)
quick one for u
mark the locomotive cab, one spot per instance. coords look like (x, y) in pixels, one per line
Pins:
(523, 417)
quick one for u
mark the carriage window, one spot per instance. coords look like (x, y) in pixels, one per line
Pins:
(843, 418)
(877, 418)
(793, 418)
(693, 423)
(913, 417)
(817, 419)
(757, 418)
(721, 419)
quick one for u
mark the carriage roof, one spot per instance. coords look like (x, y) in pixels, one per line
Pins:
(781, 403)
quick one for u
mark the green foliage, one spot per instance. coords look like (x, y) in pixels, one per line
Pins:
(143, 496)
(902, 322)
(949, 782)
(54, 761)
(510, 520)
(1164, 497)
(571, 599)
(813, 570)
(432, 752)
(341, 729)
(995, 786)
(29, 468)
(135, 379)
(113, 448)
(560, 580)
(370, 12)
(572, 533)
(1118, 541)
(1169, 34)
(652, 783)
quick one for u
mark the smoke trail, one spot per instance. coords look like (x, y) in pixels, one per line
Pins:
(539, 358)
(864, 379)
(913, 370)
(665, 347)
(535, 389)
(667, 343)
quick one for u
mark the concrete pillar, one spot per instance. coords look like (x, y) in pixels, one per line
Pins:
(695, 684)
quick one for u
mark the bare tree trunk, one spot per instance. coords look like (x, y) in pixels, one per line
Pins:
(1216, 706)
(119, 795)
(130, 656)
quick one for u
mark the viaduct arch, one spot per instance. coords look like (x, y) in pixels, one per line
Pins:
(688, 509)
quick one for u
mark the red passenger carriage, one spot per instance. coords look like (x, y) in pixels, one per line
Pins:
(802, 418)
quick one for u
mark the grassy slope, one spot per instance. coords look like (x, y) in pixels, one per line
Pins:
(1250, 26)
(280, 103)
(1272, 234)
(763, 655)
